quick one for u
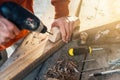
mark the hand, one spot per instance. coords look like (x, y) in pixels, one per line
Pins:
(8, 30)
(66, 27)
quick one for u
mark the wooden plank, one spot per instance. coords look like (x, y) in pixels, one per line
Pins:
(105, 34)
(97, 13)
(26, 57)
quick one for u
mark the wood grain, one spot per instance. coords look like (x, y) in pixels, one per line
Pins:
(26, 58)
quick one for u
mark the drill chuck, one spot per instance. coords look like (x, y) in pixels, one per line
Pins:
(21, 17)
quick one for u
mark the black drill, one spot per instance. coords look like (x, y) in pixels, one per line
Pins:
(21, 17)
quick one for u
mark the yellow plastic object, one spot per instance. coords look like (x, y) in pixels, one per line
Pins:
(71, 52)
(90, 50)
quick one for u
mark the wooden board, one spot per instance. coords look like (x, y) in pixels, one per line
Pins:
(97, 13)
(27, 57)
(105, 34)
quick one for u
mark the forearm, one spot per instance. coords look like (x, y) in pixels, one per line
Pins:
(61, 8)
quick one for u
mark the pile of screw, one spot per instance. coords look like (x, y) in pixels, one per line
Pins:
(63, 70)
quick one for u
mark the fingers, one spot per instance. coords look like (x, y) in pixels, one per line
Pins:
(8, 31)
(16, 31)
(3, 40)
(4, 36)
(70, 26)
(63, 32)
(67, 30)
(66, 27)
(12, 28)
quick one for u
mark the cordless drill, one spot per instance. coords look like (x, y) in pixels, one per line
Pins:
(22, 18)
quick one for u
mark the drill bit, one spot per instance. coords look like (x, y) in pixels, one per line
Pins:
(97, 49)
(49, 33)
(105, 72)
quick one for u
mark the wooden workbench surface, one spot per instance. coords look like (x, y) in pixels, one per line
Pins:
(92, 14)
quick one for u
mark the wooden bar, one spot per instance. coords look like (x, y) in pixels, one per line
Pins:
(27, 57)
